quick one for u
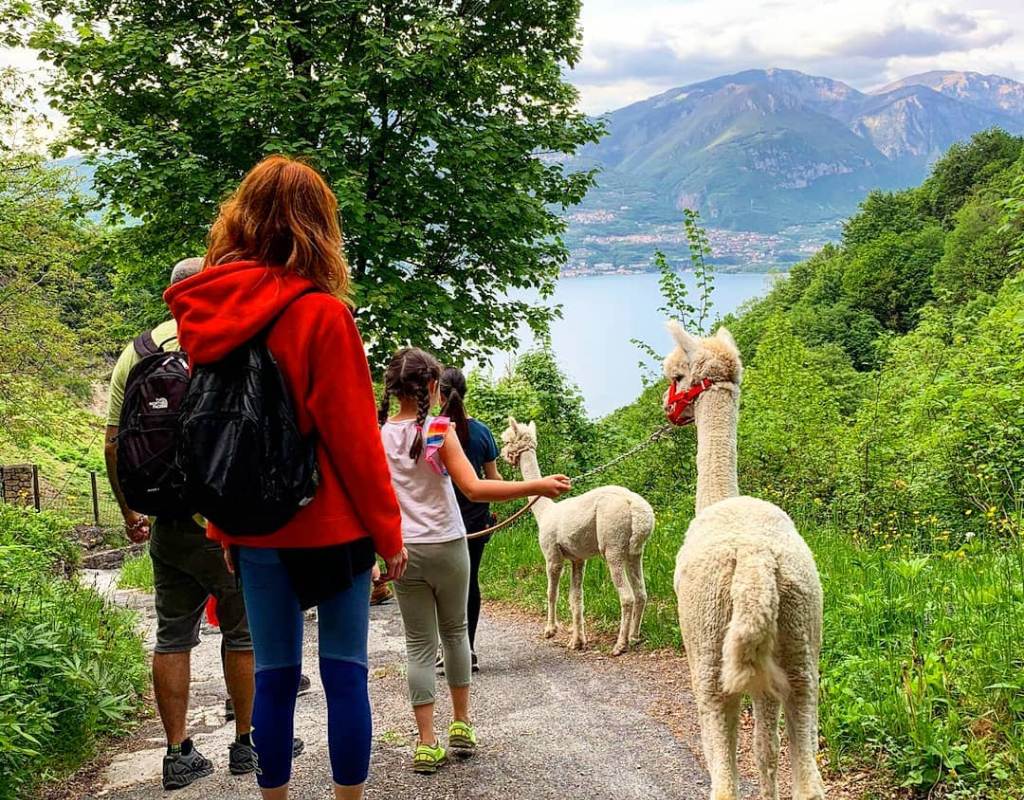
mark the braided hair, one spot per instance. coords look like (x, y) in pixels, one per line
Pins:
(453, 391)
(408, 376)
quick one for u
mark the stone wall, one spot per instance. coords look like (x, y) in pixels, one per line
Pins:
(19, 484)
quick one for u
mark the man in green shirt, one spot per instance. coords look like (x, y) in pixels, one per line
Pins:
(165, 334)
(187, 569)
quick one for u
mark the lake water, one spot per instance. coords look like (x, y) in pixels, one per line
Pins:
(600, 314)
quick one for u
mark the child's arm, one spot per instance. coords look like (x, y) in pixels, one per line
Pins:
(481, 490)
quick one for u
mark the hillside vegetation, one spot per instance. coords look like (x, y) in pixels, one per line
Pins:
(72, 669)
(883, 408)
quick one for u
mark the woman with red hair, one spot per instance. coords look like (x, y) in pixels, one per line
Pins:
(275, 266)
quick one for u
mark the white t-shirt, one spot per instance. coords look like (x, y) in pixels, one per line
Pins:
(430, 510)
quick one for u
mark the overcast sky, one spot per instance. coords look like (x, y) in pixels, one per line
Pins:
(635, 48)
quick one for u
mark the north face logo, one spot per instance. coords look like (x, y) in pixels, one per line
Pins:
(159, 404)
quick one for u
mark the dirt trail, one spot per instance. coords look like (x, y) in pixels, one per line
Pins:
(552, 725)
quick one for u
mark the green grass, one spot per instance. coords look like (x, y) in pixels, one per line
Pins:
(922, 660)
(922, 657)
(513, 571)
(137, 572)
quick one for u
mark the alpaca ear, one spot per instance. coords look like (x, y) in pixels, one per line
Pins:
(687, 341)
(532, 427)
(724, 335)
(512, 422)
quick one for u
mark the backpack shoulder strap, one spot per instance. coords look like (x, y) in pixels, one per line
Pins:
(144, 344)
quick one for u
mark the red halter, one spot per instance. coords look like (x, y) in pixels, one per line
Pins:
(678, 402)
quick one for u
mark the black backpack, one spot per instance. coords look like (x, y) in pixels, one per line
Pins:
(147, 435)
(247, 467)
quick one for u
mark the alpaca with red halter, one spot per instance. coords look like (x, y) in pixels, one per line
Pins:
(678, 403)
(749, 597)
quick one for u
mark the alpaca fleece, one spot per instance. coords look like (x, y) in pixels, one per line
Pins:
(749, 596)
(610, 521)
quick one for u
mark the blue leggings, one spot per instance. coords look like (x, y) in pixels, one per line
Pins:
(276, 623)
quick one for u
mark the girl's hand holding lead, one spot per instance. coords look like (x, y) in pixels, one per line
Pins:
(554, 486)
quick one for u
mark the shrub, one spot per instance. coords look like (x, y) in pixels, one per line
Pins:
(73, 667)
(788, 422)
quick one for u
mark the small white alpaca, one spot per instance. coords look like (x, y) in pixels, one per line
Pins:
(609, 521)
(750, 602)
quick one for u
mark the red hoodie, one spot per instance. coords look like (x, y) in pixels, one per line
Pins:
(321, 356)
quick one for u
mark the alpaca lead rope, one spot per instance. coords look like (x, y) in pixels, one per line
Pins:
(656, 436)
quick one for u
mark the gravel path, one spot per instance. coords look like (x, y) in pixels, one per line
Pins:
(552, 724)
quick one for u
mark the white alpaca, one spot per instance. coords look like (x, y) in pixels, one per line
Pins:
(750, 601)
(609, 521)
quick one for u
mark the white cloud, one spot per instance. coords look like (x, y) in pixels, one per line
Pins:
(633, 50)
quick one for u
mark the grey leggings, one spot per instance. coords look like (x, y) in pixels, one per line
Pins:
(432, 597)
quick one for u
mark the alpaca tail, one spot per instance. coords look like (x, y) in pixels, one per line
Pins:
(748, 651)
(642, 525)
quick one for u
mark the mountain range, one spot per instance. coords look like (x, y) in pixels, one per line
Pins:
(764, 150)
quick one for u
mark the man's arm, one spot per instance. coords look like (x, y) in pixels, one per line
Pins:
(110, 457)
(136, 525)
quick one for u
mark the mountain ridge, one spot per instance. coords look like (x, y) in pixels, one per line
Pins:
(993, 92)
(766, 149)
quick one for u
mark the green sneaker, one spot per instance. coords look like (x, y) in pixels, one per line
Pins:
(428, 757)
(461, 738)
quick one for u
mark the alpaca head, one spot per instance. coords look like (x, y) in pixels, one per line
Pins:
(695, 359)
(516, 439)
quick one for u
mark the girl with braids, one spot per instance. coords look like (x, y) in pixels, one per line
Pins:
(482, 451)
(426, 458)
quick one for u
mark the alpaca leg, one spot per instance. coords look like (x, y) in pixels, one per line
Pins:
(579, 636)
(719, 724)
(554, 576)
(618, 572)
(766, 744)
(635, 568)
(802, 729)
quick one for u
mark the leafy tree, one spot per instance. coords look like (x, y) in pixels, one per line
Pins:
(965, 166)
(977, 253)
(1013, 206)
(440, 126)
(42, 231)
(536, 389)
(853, 330)
(815, 299)
(890, 276)
(749, 323)
(883, 212)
